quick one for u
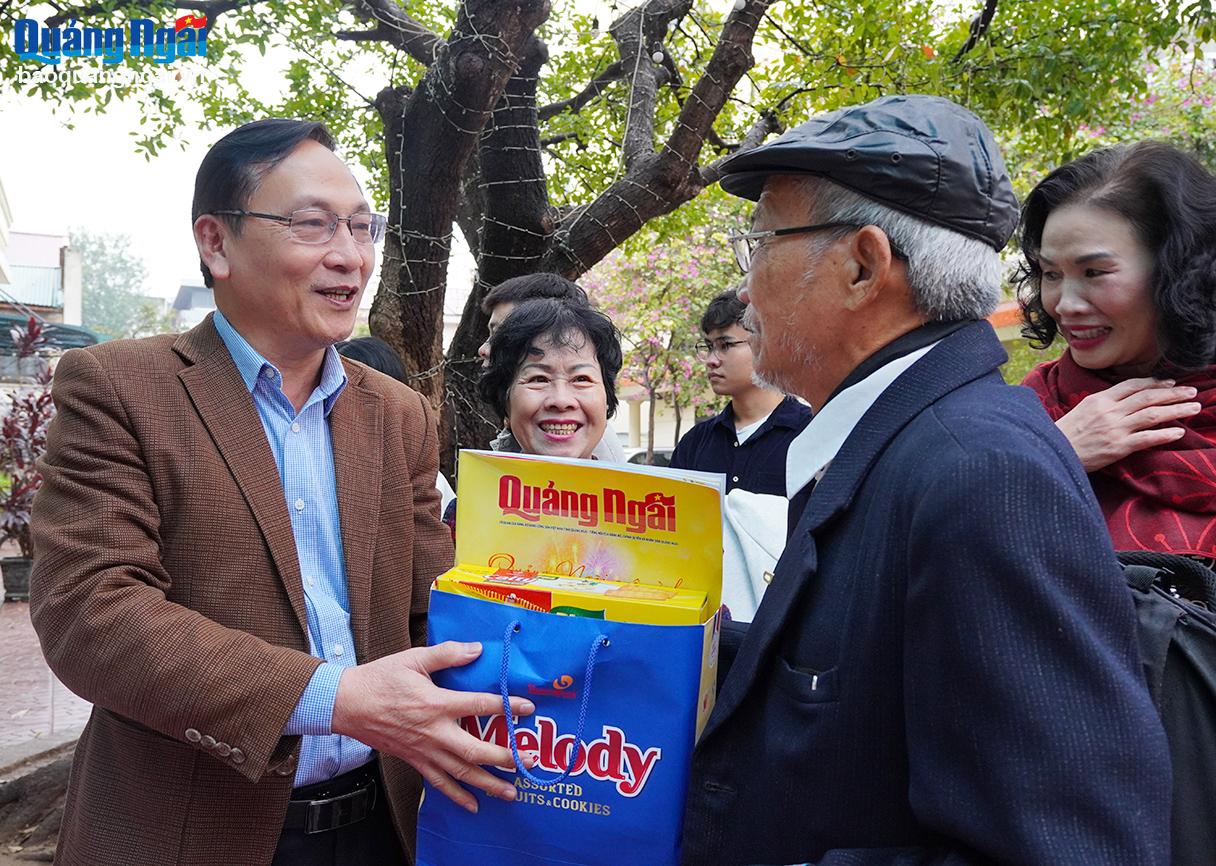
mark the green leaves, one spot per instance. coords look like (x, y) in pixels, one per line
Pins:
(1040, 74)
(1052, 80)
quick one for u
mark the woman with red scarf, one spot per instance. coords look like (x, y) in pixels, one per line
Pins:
(1120, 250)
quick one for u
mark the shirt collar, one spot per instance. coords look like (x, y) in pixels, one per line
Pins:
(789, 413)
(726, 418)
(250, 363)
(784, 414)
(819, 443)
(926, 335)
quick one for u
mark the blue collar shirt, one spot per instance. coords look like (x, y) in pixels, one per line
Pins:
(303, 453)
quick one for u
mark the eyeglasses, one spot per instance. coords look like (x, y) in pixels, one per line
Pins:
(746, 243)
(707, 348)
(317, 225)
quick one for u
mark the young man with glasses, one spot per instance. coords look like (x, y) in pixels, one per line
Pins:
(748, 439)
(236, 535)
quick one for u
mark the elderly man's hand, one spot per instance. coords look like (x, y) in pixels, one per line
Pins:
(1107, 426)
(391, 705)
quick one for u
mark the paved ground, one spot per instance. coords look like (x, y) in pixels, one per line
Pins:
(33, 704)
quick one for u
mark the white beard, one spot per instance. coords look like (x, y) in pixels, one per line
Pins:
(798, 356)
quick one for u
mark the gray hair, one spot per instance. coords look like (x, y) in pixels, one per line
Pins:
(951, 275)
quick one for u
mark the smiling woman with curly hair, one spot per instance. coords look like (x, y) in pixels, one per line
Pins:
(1120, 250)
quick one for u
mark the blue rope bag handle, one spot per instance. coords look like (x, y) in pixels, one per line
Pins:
(512, 630)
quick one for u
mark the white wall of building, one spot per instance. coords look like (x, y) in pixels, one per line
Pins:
(632, 423)
(73, 295)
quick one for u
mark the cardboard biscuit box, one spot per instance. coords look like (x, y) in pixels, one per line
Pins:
(579, 596)
(619, 704)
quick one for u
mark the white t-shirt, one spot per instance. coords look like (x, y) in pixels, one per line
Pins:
(742, 434)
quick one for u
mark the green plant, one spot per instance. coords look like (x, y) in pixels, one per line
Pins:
(23, 428)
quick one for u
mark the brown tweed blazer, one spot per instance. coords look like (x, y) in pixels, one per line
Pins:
(166, 589)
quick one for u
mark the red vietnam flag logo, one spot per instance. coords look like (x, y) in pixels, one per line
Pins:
(190, 21)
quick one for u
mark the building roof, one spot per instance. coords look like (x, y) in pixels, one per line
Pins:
(193, 297)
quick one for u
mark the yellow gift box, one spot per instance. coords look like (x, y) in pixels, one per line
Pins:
(589, 520)
(579, 596)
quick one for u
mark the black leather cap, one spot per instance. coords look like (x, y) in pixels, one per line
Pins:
(923, 155)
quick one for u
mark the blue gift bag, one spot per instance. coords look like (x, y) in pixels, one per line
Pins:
(626, 694)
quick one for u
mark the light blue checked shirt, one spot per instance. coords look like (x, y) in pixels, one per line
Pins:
(303, 452)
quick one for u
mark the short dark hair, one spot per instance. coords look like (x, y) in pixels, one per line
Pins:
(723, 311)
(562, 321)
(234, 167)
(1169, 199)
(531, 286)
(374, 352)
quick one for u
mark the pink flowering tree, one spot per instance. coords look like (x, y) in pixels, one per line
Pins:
(655, 290)
(1177, 107)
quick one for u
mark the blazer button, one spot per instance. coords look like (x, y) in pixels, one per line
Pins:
(208, 742)
(193, 735)
(237, 756)
(223, 749)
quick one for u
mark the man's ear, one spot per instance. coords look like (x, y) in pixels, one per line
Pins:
(211, 235)
(871, 267)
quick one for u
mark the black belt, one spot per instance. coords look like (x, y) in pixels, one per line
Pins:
(343, 800)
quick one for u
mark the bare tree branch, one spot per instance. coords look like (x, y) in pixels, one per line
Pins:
(639, 33)
(732, 58)
(516, 219)
(396, 28)
(672, 72)
(575, 103)
(979, 26)
(790, 38)
(658, 183)
(559, 138)
(716, 141)
(328, 69)
(669, 74)
(766, 124)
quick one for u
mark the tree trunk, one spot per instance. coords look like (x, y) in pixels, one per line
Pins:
(431, 136)
(464, 146)
(31, 810)
(516, 223)
(650, 423)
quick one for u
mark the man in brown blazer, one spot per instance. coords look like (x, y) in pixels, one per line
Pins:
(234, 542)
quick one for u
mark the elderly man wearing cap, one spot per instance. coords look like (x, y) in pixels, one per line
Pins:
(944, 669)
